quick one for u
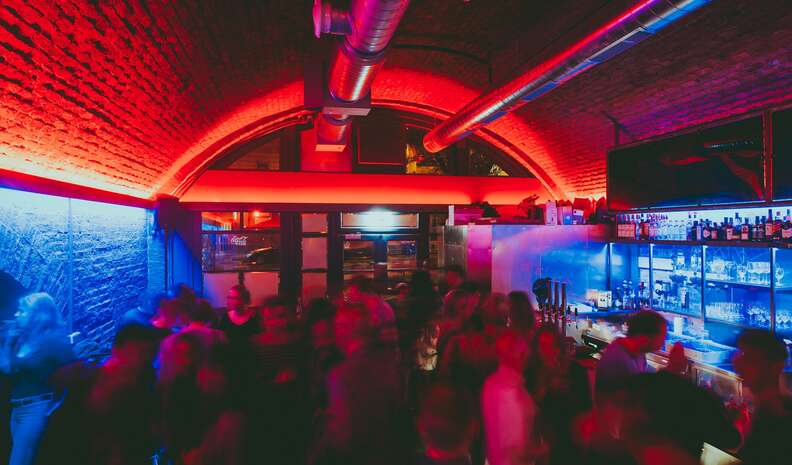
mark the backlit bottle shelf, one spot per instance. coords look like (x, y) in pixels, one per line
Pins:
(777, 245)
(738, 283)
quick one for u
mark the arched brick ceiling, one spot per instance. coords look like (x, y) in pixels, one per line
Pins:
(136, 96)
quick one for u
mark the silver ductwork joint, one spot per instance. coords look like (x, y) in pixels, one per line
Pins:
(367, 28)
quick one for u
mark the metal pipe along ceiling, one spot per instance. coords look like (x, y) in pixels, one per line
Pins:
(633, 26)
(357, 58)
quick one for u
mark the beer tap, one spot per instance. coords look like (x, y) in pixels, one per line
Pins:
(563, 308)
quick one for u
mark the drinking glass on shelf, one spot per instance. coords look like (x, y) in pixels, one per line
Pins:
(783, 320)
(741, 273)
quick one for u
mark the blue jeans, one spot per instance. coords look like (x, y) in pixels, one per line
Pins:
(27, 427)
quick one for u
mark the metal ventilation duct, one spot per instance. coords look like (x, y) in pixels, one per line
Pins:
(367, 29)
(633, 26)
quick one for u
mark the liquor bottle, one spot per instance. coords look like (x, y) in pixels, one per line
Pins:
(728, 230)
(625, 295)
(786, 230)
(706, 231)
(769, 225)
(714, 231)
(777, 224)
(624, 226)
(653, 227)
(724, 226)
(745, 231)
(644, 228)
(760, 230)
(696, 231)
(631, 295)
(763, 222)
(684, 297)
(737, 226)
(628, 228)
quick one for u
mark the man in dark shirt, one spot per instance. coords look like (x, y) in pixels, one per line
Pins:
(626, 357)
(760, 359)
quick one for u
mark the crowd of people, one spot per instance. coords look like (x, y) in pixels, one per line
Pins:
(440, 374)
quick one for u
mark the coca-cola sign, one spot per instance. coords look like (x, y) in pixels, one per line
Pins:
(239, 240)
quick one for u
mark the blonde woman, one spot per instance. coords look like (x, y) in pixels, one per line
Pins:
(30, 351)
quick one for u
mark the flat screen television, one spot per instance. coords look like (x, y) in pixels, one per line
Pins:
(713, 166)
(782, 155)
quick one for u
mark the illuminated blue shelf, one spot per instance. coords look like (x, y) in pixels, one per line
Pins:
(751, 244)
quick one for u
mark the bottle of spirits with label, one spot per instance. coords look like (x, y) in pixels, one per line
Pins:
(653, 227)
(745, 231)
(697, 230)
(760, 230)
(786, 230)
(777, 225)
(763, 222)
(737, 226)
(724, 226)
(623, 227)
(769, 225)
(706, 231)
(644, 228)
(728, 230)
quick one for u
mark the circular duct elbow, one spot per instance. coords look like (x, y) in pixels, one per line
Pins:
(373, 23)
(328, 20)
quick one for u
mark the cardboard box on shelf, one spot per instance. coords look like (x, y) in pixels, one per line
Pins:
(565, 214)
(551, 212)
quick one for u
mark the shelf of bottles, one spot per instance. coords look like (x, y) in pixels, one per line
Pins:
(676, 275)
(782, 276)
(759, 225)
(629, 266)
(726, 285)
(729, 267)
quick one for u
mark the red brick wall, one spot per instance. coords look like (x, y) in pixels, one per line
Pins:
(112, 94)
